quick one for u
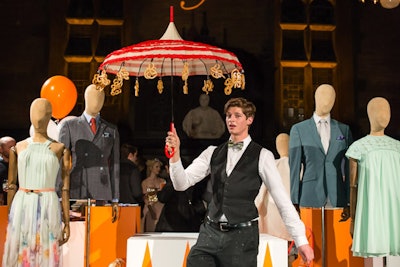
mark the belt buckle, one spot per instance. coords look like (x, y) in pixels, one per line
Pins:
(222, 227)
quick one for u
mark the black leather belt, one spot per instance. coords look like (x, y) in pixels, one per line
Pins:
(225, 227)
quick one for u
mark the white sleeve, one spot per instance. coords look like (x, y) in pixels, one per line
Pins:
(272, 179)
(183, 178)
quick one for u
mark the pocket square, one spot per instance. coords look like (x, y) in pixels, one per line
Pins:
(106, 134)
(340, 137)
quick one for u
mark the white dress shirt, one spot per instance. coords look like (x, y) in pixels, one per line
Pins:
(328, 128)
(201, 167)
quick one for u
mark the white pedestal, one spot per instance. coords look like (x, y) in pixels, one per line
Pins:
(74, 250)
(391, 261)
(171, 249)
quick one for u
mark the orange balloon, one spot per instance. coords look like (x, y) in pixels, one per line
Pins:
(62, 94)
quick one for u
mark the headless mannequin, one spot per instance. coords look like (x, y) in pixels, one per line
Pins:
(270, 220)
(325, 96)
(378, 110)
(40, 114)
(94, 101)
(282, 145)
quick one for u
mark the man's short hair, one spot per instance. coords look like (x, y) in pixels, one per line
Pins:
(126, 149)
(248, 108)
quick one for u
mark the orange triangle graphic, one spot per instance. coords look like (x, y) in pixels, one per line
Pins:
(267, 259)
(186, 254)
(147, 258)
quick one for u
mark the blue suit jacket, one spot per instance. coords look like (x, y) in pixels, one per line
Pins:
(323, 175)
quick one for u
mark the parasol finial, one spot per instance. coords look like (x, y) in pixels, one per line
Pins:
(171, 33)
(171, 14)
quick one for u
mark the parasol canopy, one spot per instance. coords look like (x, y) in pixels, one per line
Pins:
(170, 56)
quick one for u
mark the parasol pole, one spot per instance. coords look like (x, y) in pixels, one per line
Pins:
(170, 151)
(171, 20)
(172, 92)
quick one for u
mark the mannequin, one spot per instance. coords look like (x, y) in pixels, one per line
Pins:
(270, 221)
(323, 183)
(203, 122)
(95, 153)
(36, 161)
(374, 169)
(318, 146)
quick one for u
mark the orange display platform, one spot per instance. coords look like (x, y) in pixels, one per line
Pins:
(337, 239)
(108, 241)
(3, 229)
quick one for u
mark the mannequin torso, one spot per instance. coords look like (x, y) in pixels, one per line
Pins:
(306, 149)
(95, 155)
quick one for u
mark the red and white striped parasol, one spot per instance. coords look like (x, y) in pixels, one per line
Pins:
(171, 56)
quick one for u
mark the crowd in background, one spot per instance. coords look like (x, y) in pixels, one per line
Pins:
(146, 182)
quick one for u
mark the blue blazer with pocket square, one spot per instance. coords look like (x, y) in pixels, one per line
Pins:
(314, 175)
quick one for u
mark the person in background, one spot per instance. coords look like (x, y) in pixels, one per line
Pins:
(6, 143)
(130, 189)
(230, 235)
(150, 188)
(183, 211)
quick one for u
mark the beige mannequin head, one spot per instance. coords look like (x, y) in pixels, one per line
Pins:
(324, 100)
(40, 115)
(282, 144)
(94, 100)
(378, 110)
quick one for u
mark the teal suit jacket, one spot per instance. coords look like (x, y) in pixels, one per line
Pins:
(323, 175)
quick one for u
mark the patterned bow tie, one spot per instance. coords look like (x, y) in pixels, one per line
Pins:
(237, 145)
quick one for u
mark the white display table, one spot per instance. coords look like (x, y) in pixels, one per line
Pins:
(391, 261)
(171, 249)
(74, 250)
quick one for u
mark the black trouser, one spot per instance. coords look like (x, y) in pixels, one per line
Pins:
(234, 248)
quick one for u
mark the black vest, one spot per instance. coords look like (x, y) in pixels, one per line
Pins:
(234, 195)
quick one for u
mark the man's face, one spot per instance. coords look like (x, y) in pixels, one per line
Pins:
(236, 121)
(134, 157)
(6, 148)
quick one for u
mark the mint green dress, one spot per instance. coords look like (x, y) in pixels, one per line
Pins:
(377, 218)
(34, 222)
